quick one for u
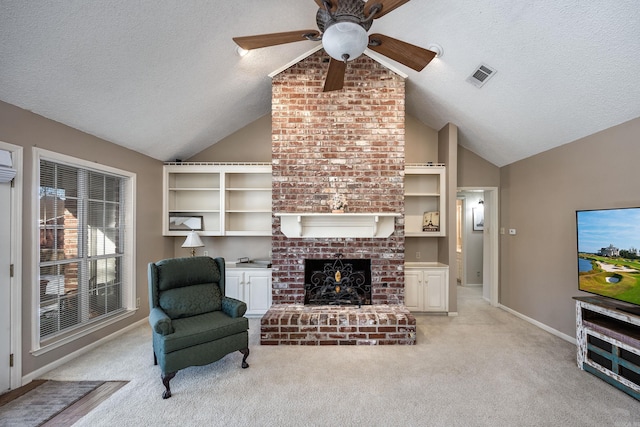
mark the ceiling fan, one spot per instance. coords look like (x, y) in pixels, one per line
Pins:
(343, 26)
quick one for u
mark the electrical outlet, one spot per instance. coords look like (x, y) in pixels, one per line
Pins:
(138, 302)
(206, 253)
(512, 231)
(417, 255)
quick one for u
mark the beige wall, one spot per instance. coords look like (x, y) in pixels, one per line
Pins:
(252, 143)
(539, 197)
(474, 171)
(22, 128)
(421, 142)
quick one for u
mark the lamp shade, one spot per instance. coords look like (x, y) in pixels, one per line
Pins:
(192, 240)
(345, 40)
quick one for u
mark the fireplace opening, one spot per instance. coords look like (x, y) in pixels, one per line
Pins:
(337, 281)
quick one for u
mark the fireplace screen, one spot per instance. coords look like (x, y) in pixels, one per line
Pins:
(337, 281)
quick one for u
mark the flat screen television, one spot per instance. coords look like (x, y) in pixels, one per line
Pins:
(609, 254)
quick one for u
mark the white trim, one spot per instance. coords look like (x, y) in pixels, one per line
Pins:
(61, 361)
(371, 54)
(540, 325)
(490, 246)
(84, 330)
(491, 233)
(382, 61)
(295, 61)
(129, 269)
(17, 203)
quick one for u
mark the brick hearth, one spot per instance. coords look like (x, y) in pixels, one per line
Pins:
(293, 324)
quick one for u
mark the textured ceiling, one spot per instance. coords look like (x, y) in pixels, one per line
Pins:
(162, 77)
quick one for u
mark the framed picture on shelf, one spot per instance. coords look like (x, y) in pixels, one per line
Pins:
(478, 219)
(431, 221)
(178, 222)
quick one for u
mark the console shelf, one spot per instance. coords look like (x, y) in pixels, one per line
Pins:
(609, 343)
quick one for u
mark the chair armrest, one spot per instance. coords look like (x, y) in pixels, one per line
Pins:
(160, 322)
(233, 307)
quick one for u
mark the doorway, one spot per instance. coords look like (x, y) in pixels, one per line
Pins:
(477, 219)
(10, 268)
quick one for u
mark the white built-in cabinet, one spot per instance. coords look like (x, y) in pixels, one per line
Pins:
(232, 199)
(424, 192)
(251, 285)
(426, 286)
(426, 283)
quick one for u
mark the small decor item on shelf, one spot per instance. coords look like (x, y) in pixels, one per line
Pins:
(431, 221)
(339, 203)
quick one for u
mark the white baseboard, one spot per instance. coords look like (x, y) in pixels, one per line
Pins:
(26, 379)
(540, 325)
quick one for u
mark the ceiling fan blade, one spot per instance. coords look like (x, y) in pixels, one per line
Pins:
(387, 6)
(405, 53)
(334, 4)
(265, 40)
(335, 75)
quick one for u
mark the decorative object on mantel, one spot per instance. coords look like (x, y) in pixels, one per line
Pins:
(339, 203)
(193, 241)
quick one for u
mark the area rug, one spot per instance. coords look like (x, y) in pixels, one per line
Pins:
(44, 402)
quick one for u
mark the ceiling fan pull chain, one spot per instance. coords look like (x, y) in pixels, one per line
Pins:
(327, 5)
(373, 11)
(314, 37)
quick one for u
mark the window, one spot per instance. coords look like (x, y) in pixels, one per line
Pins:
(85, 276)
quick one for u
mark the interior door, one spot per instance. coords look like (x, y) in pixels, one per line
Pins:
(5, 286)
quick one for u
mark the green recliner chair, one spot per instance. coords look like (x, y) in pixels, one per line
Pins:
(193, 322)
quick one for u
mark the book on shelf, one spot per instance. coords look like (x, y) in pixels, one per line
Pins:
(431, 221)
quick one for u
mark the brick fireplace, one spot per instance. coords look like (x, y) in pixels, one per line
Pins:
(347, 144)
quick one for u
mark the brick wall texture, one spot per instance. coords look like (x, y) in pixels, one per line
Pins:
(348, 142)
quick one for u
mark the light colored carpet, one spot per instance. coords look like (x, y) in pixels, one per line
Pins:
(482, 368)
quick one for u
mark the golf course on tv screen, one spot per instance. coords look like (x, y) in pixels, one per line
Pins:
(609, 254)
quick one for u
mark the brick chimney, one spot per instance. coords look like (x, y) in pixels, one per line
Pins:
(348, 142)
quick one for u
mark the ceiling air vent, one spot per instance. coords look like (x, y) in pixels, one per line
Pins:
(481, 75)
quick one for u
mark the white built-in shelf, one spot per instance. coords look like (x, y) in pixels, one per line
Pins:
(424, 191)
(338, 225)
(232, 199)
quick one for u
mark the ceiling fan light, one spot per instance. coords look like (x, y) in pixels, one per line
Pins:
(345, 38)
(241, 52)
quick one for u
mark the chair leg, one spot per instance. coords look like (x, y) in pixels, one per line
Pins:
(244, 359)
(165, 380)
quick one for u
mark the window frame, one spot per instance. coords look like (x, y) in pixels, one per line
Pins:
(128, 273)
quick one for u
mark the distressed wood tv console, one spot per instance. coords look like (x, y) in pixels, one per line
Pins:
(609, 342)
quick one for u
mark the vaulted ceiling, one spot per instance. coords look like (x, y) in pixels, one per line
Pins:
(162, 77)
